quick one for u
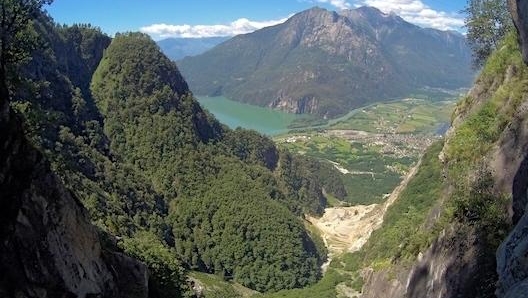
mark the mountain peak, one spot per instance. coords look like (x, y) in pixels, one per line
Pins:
(370, 9)
(374, 15)
(324, 62)
(315, 9)
(311, 13)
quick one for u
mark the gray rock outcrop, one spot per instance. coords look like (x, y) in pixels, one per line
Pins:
(48, 246)
(512, 261)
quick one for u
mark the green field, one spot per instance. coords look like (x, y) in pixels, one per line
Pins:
(373, 164)
(402, 116)
(214, 286)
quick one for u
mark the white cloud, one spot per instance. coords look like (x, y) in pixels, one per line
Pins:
(416, 12)
(339, 4)
(240, 26)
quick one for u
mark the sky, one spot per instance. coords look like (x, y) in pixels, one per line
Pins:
(205, 18)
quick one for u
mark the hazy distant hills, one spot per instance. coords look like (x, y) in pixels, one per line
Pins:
(326, 63)
(178, 47)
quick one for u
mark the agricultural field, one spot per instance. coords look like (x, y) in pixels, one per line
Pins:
(372, 164)
(403, 116)
(374, 147)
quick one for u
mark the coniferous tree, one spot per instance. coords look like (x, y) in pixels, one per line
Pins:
(17, 40)
(487, 22)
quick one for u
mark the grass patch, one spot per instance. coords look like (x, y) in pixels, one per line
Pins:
(475, 137)
(307, 121)
(474, 198)
(332, 201)
(325, 288)
(214, 286)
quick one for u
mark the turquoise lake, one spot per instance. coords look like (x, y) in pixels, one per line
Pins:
(264, 120)
(235, 114)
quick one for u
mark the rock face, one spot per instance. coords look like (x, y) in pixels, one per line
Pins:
(451, 267)
(48, 247)
(323, 62)
(512, 262)
(519, 12)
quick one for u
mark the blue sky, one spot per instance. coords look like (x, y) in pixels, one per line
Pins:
(199, 18)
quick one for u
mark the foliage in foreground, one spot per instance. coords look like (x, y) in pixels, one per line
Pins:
(325, 288)
(487, 22)
(169, 278)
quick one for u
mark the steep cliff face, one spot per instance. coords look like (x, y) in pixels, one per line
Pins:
(519, 12)
(512, 264)
(453, 266)
(48, 247)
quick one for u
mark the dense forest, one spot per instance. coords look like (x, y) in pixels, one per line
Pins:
(162, 179)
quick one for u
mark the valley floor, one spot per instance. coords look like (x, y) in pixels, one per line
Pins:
(347, 229)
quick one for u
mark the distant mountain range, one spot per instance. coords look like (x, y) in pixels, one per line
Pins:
(178, 48)
(326, 63)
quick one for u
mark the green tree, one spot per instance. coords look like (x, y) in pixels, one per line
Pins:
(17, 40)
(168, 277)
(487, 22)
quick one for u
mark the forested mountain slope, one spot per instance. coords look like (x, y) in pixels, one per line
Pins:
(327, 63)
(180, 191)
(223, 211)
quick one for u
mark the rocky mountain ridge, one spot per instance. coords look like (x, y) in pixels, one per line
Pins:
(323, 62)
(177, 48)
